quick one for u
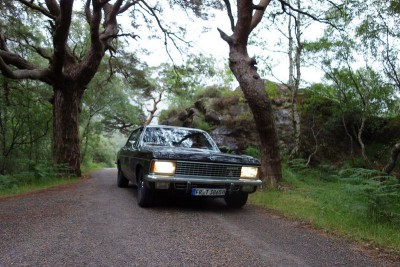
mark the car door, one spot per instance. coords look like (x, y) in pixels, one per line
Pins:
(128, 153)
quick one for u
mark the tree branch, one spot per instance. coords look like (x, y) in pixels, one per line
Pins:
(167, 34)
(39, 8)
(61, 34)
(127, 6)
(243, 25)
(224, 36)
(33, 74)
(259, 13)
(229, 10)
(286, 4)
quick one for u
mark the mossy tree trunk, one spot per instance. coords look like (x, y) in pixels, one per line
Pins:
(245, 71)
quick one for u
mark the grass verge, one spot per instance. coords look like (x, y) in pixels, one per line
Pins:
(36, 186)
(333, 205)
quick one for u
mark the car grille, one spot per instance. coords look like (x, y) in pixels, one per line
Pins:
(197, 169)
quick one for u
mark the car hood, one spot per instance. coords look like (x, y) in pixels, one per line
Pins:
(192, 154)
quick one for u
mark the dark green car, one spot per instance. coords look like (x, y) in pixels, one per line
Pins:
(185, 161)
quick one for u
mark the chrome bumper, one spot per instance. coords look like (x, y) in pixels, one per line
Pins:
(216, 181)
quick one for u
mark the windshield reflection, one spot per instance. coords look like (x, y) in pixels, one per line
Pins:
(187, 138)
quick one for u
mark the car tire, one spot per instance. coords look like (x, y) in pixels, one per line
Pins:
(122, 181)
(236, 200)
(145, 195)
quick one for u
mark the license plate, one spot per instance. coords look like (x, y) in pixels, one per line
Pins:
(208, 192)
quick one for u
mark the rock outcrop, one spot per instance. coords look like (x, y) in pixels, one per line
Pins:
(230, 122)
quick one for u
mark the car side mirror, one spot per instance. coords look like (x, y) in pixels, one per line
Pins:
(132, 142)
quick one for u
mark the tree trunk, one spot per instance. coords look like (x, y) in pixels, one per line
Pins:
(348, 135)
(66, 146)
(360, 141)
(294, 83)
(243, 67)
(394, 155)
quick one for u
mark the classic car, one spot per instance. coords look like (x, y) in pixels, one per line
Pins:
(185, 161)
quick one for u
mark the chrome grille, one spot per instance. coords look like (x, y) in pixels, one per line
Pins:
(201, 169)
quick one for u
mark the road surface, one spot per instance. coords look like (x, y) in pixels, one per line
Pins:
(95, 223)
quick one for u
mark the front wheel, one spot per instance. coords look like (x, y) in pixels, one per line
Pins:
(122, 181)
(145, 195)
(237, 200)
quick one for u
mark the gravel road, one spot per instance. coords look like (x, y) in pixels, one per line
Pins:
(95, 223)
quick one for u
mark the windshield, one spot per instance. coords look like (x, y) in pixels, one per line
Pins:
(178, 137)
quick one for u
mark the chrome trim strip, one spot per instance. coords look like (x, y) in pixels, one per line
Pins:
(182, 179)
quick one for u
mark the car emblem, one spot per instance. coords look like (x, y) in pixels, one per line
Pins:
(212, 158)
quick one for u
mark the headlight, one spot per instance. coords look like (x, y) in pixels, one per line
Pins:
(164, 167)
(249, 172)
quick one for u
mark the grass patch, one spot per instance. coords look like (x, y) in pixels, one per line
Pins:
(340, 206)
(36, 186)
(40, 176)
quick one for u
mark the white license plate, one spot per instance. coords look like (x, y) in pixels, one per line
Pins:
(208, 192)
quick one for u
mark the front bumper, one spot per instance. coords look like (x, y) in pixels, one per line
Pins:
(216, 181)
(185, 184)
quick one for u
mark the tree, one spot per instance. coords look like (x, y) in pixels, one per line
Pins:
(245, 71)
(362, 93)
(295, 72)
(67, 73)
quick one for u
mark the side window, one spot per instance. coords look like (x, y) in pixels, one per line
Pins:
(133, 139)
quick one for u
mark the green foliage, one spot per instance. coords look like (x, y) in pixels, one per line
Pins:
(38, 173)
(394, 7)
(185, 83)
(272, 89)
(361, 204)
(167, 113)
(377, 194)
(209, 91)
(203, 125)
(25, 121)
(253, 152)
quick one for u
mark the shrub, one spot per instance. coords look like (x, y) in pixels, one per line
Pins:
(39, 172)
(253, 152)
(203, 125)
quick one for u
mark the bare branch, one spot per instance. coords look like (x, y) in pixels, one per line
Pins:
(61, 35)
(259, 13)
(33, 74)
(229, 10)
(25, 70)
(42, 10)
(127, 6)
(224, 36)
(88, 13)
(286, 4)
(53, 7)
(315, 136)
(167, 34)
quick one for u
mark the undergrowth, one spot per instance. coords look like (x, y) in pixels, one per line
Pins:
(40, 175)
(361, 204)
